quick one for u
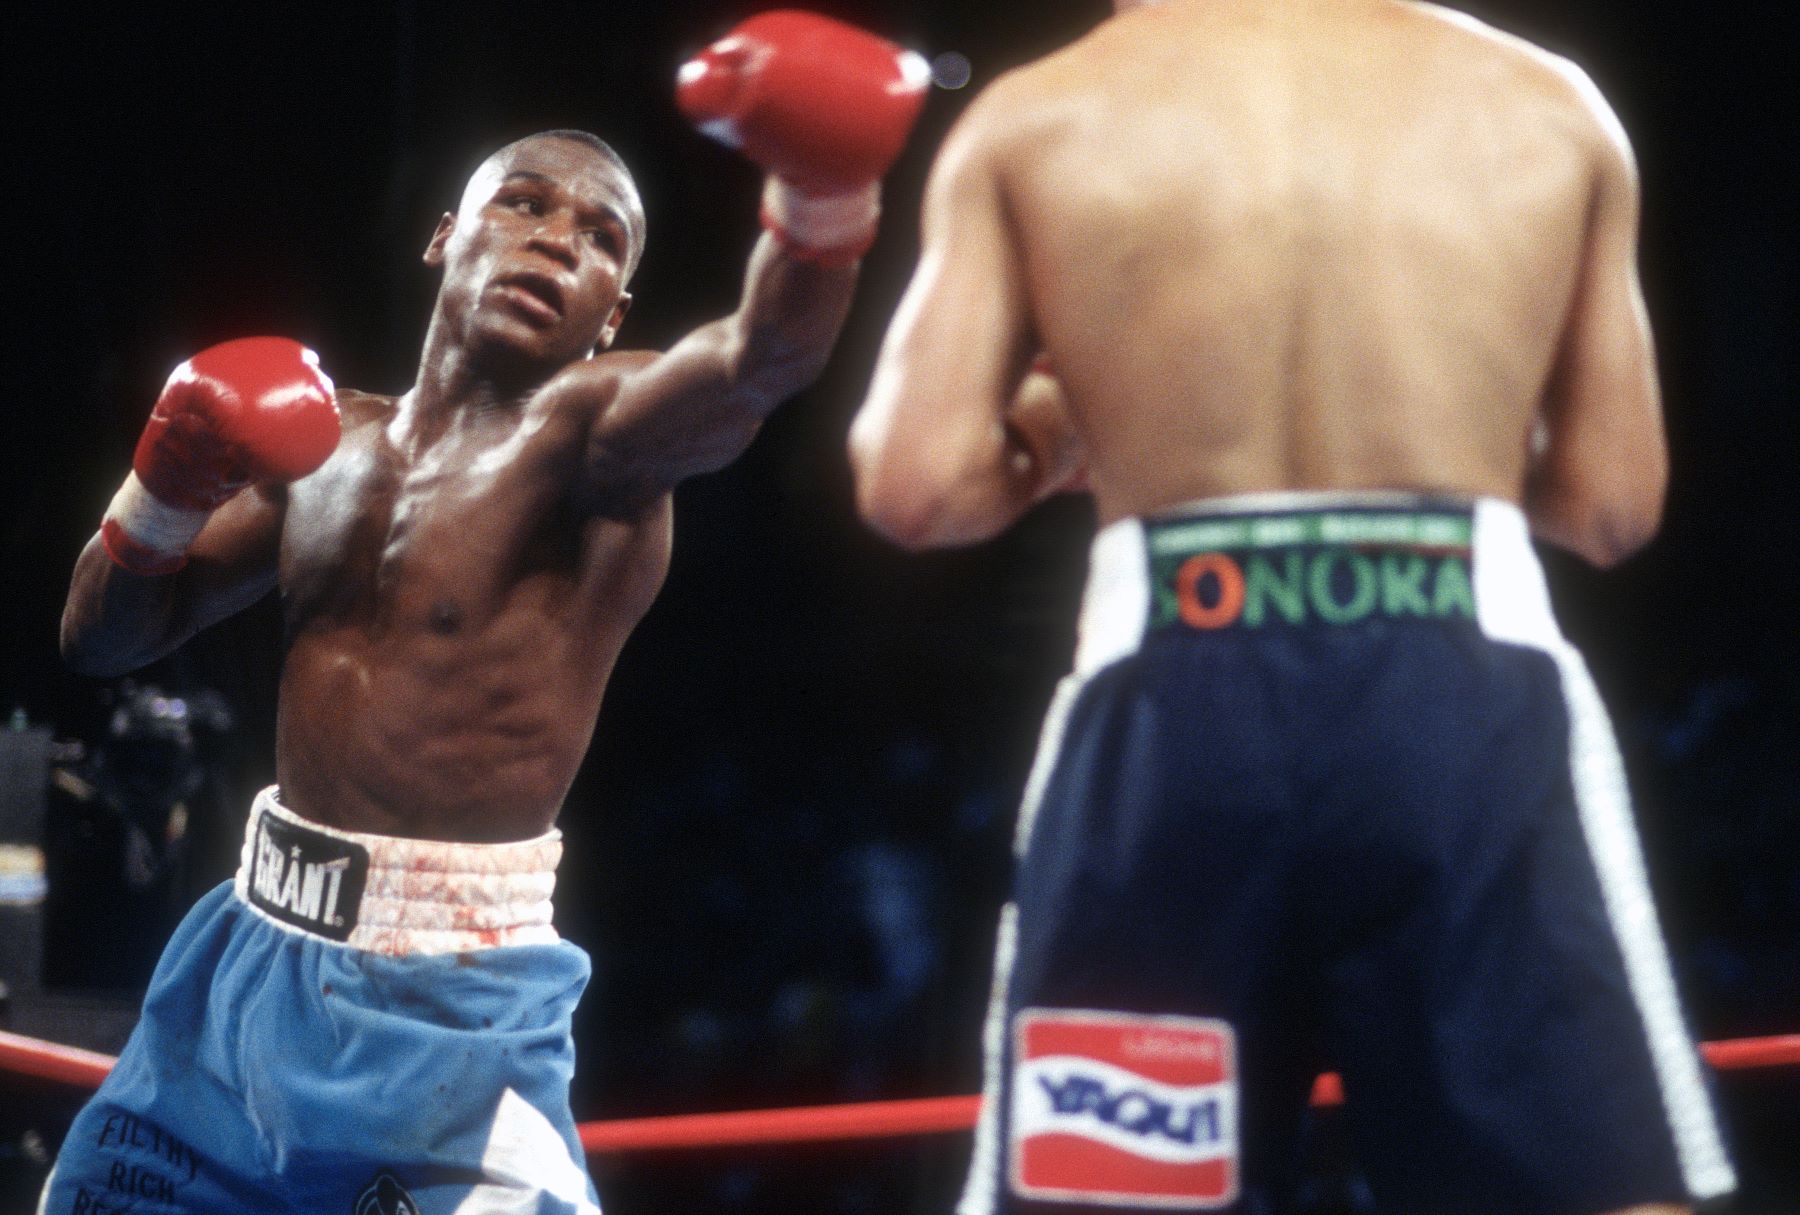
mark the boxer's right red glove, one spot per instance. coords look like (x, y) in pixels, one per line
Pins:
(824, 107)
(256, 409)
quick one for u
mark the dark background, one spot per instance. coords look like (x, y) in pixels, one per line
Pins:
(787, 846)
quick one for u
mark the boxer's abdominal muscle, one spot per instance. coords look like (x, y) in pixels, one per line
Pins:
(452, 627)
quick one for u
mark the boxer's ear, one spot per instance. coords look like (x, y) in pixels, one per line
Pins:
(434, 252)
(615, 320)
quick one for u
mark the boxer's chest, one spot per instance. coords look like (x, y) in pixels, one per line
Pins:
(433, 534)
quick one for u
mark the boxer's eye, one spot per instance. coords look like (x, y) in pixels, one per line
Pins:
(525, 203)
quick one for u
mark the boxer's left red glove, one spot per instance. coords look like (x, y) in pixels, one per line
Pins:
(255, 409)
(824, 107)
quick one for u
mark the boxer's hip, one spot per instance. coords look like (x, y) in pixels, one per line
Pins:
(1319, 747)
(352, 1007)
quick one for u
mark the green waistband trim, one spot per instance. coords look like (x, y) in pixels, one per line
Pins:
(1426, 529)
(1311, 568)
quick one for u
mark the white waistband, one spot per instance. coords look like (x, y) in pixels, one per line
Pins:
(1512, 602)
(417, 896)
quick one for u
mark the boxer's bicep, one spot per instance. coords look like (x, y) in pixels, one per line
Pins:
(1598, 485)
(675, 416)
(696, 408)
(930, 449)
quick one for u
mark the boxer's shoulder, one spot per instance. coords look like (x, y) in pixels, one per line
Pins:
(1013, 119)
(600, 375)
(1545, 94)
(579, 392)
(359, 408)
(1519, 67)
(626, 362)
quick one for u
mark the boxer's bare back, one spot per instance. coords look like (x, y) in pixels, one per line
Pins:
(1277, 245)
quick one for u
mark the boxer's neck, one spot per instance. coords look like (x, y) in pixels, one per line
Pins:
(453, 378)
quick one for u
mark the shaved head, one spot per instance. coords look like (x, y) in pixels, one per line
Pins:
(500, 162)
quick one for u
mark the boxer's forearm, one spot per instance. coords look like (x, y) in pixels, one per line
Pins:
(789, 318)
(115, 621)
(937, 486)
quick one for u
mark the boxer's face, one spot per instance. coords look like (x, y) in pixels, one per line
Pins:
(536, 257)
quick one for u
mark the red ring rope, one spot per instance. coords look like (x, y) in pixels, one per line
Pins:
(52, 1061)
(865, 1120)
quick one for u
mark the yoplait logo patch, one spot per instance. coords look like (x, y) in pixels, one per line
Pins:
(1124, 1109)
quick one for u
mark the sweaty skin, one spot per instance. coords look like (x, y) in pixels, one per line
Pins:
(458, 579)
(1276, 245)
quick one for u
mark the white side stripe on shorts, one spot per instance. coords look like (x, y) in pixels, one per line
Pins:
(978, 1196)
(1605, 811)
(1513, 604)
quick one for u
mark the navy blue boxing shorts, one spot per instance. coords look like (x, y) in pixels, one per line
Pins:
(1328, 789)
(358, 1024)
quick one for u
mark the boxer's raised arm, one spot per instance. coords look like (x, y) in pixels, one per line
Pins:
(181, 545)
(1597, 485)
(696, 408)
(824, 108)
(938, 455)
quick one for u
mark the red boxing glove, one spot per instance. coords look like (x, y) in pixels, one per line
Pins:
(824, 107)
(256, 409)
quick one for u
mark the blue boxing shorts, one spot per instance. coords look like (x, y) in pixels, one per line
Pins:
(1328, 789)
(359, 1024)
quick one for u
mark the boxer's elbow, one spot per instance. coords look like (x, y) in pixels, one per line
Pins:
(101, 638)
(896, 509)
(919, 519)
(1602, 526)
(1598, 477)
(1620, 531)
(71, 641)
(897, 497)
(80, 638)
(911, 530)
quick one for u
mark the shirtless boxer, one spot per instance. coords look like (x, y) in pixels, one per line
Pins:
(1343, 297)
(374, 1018)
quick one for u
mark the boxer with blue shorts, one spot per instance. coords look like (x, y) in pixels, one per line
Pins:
(358, 1023)
(375, 1019)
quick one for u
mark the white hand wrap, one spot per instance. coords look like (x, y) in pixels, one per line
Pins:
(143, 533)
(822, 224)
